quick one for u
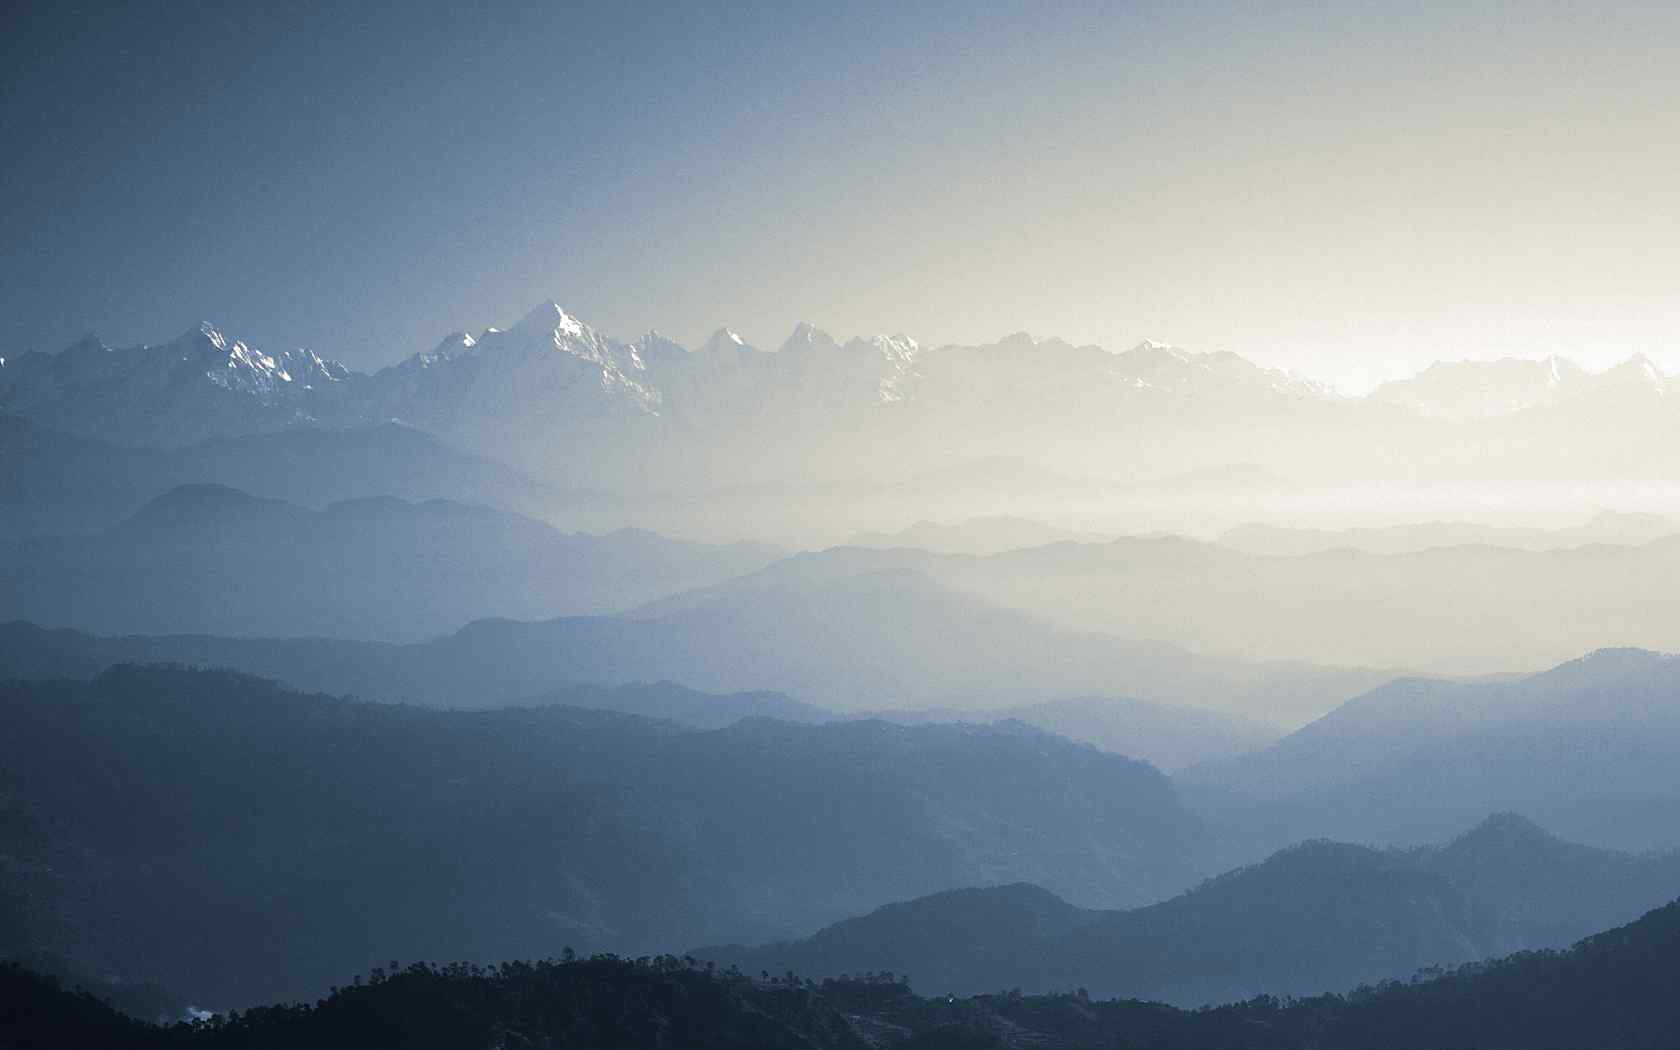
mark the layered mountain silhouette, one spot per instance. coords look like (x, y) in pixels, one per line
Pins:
(1607, 527)
(854, 643)
(1320, 915)
(1170, 737)
(210, 558)
(214, 813)
(1586, 748)
(1339, 606)
(667, 701)
(1451, 610)
(56, 483)
(979, 536)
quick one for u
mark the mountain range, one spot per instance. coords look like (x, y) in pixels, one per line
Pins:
(1586, 748)
(1168, 736)
(1318, 915)
(1606, 527)
(1471, 609)
(854, 643)
(214, 812)
(653, 414)
(1385, 598)
(53, 483)
(553, 363)
(207, 558)
(977, 536)
(1616, 988)
(221, 811)
(1484, 389)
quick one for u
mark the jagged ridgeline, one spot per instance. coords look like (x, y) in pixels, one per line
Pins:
(573, 406)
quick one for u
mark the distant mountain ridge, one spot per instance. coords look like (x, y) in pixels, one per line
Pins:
(1586, 748)
(1316, 916)
(1170, 737)
(57, 483)
(201, 384)
(980, 536)
(654, 413)
(1406, 608)
(550, 356)
(1468, 390)
(1606, 527)
(209, 558)
(858, 642)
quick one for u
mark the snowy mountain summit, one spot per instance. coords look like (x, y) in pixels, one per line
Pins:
(556, 396)
(1466, 390)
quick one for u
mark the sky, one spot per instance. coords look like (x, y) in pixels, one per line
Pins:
(1349, 190)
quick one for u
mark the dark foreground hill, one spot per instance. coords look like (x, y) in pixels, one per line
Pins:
(1315, 916)
(1617, 989)
(236, 842)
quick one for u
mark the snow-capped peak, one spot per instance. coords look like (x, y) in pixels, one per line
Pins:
(807, 336)
(549, 317)
(724, 340)
(1027, 341)
(653, 350)
(892, 347)
(206, 330)
(1647, 368)
(1638, 372)
(448, 348)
